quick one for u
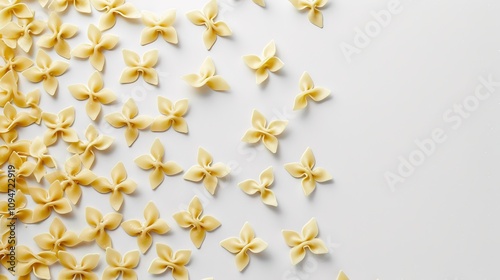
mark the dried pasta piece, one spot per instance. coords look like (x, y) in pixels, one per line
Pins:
(112, 8)
(99, 225)
(82, 6)
(23, 169)
(13, 63)
(261, 3)
(240, 246)
(192, 218)
(85, 149)
(39, 263)
(315, 16)
(342, 276)
(305, 169)
(156, 26)
(12, 145)
(47, 201)
(72, 177)
(20, 211)
(120, 185)
(94, 50)
(207, 77)
(39, 152)
(269, 61)
(266, 180)
(167, 259)
(136, 67)
(308, 89)
(9, 8)
(60, 32)
(32, 100)
(207, 18)
(307, 240)
(58, 238)
(129, 118)
(206, 171)
(9, 92)
(155, 161)
(59, 125)
(11, 119)
(74, 270)
(261, 131)
(121, 266)
(46, 70)
(94, 93)
(143, 231)
(172, 115)
(14, 34)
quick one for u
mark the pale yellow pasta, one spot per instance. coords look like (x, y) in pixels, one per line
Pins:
(94, 93)
(155, 162)
(94, 50)
(261, 131)
(269, 61)
(129, 117)
(58, 238)
(240, 246)
(156, 26)
(207, 18)
(85, 149)
(24, 168)
(112, 8)
(118, 186)
(261, 3)
(20, 211)
(308, 89)
(4, 243)
(39, 152)
(121, 266)
(9, 92)
(266, 180)
(19, 34)
(12, 145)
(9, 8)
(49, 200)
(143, 230)
(74, 270)
(198, 224)
(38, 263)
(299, 242)
(136, 67)
(32, 100)
(11, 119)
(168, 259)
(82, 6)
(315, 16)
(46, 71)
(305, 169)
(207, 171)
(172, 115)
(13, 62)
(99, 225)
(342, 276)
(207, 77)
(59, 125)
(60, 32)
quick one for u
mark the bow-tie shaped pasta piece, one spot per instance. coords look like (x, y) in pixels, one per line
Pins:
(136, 67)
(94, 50)
(39, 152)
(308, 89)
(13, 145)
(11, 119)
(82, 6)
(74, 270)
(9, 92)
(269, 61)
(172, 115)
(20, 33)
(99, 225)
(306, 240)
(58, 238)
(167, 259)
(342, 276)
(20, 211)
(47, 201)
(260, 131)
(24, 168)
(129, 118)
(261, 3)
(192, 218)
(315, 16)
(143, 231)
(46, 70)
(59, 125)
(85, 149)
(266, 180)
(121, 266)
(207, 18)
(12, 62)
(206, 171)
(120, 185)
(207, 77)
(60, 32)
(112, 8)
(94, 93)
(305, 169)
(32, 100)
(156, 26)
(240, 246)
(155, 161)
(39, 263)
(8, 8)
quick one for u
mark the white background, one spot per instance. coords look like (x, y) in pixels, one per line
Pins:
(440, 223)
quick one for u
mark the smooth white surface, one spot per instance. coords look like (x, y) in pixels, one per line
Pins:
(441, 223)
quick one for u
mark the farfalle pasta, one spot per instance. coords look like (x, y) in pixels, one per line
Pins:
(20, 33)
(12, 62)
(20, 211)
(168, 259)
(58, 238)
(315, 16)
(308, 90)
(192, 218)
(307, 239)
(38, 263)
(46, 71)
(156, 26)
(207, 18)
(39, 152)
(261, 3)
(155, 162)
(342, 276)
(94, 50)
(82, 6)
(74, 270)
(261, 131)
(11, 119)
(60, 32)
(266, 180)
(59, 126)
(112, 8)
(118, 186)
(306, 170)
(9, 92)
(268, 62)
(207, 171)
(207, 77)
(48, 201)
(12, 145)
(99, 225)
(143, 230)
(136, 67)
(118, 265)
(32, 101)
(24, 168)
(9, 8)
(172, 115)
(240, 246)
(85, 149)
